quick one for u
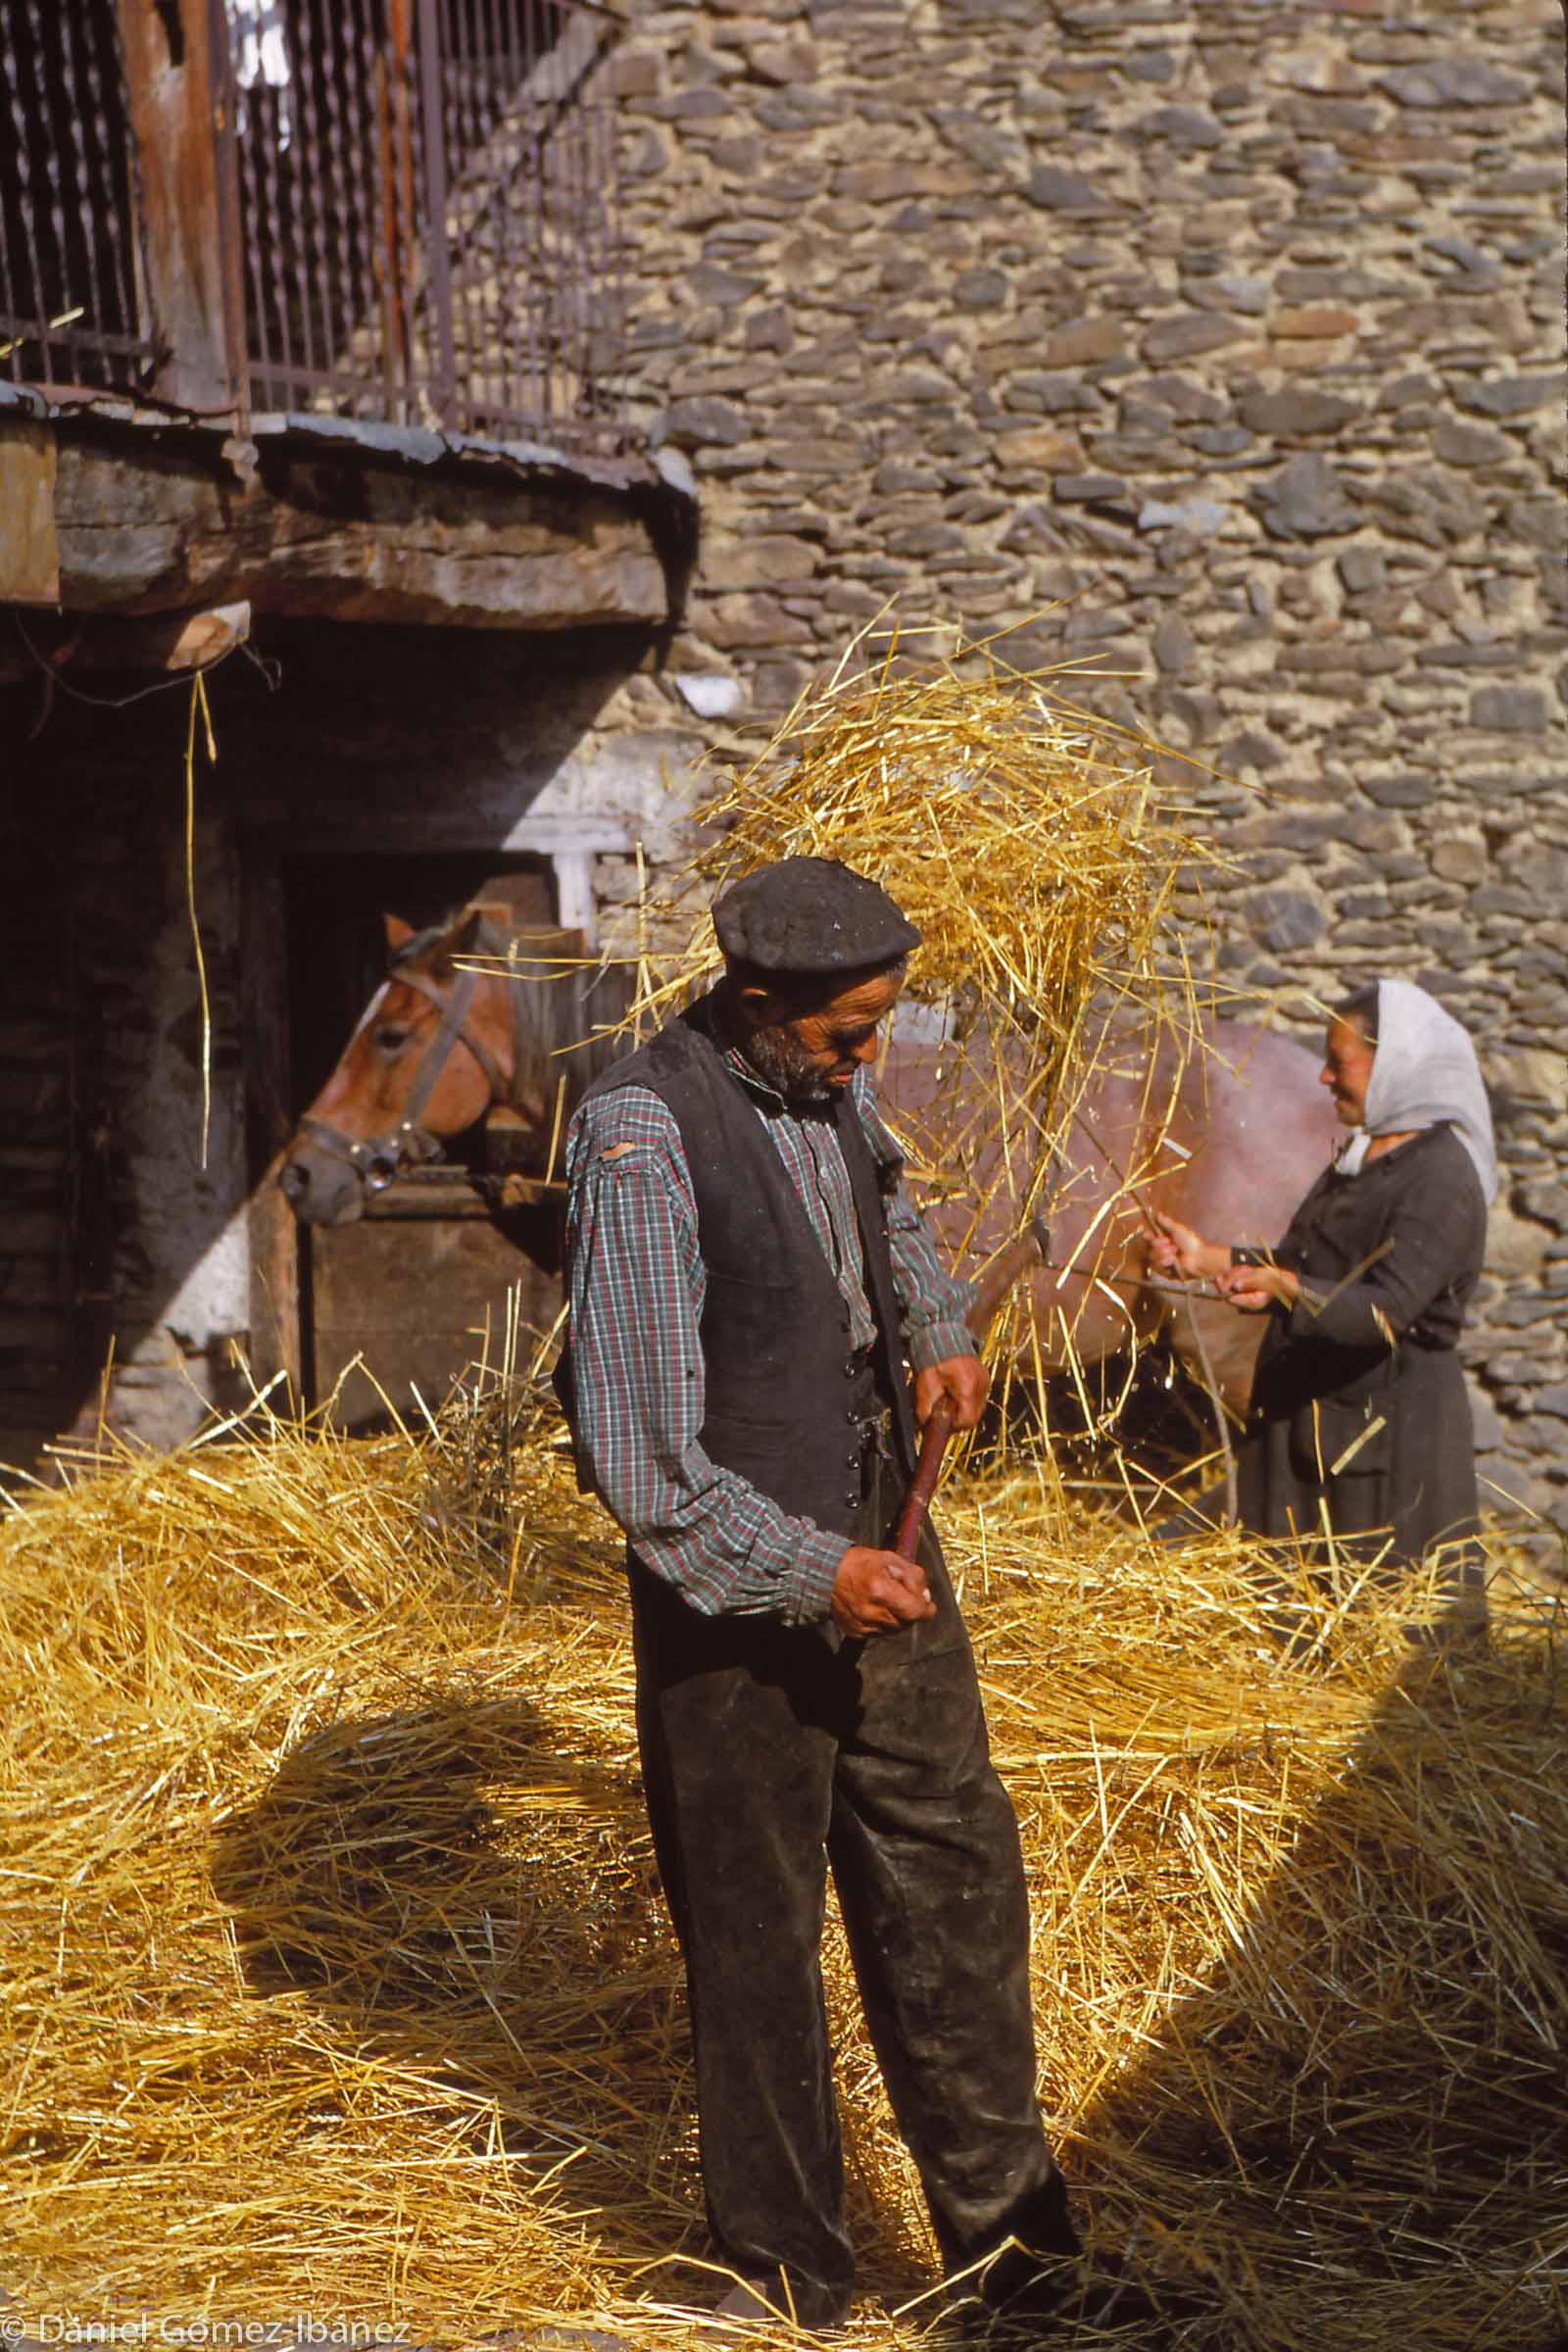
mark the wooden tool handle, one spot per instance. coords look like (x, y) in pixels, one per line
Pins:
(1030, 1247)
(923, 1485)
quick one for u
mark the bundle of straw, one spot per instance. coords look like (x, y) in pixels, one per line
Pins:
(1024, 836)
(1045, 868)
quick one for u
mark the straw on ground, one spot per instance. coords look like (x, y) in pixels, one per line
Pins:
(335, 1976)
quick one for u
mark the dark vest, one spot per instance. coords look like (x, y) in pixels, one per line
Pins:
(779, 1379)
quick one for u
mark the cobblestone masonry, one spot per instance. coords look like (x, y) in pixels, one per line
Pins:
(1236, 334)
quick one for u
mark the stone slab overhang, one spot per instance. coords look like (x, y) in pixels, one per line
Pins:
(112, 508)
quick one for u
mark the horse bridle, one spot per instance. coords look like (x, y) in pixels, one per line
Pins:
(377, 1158)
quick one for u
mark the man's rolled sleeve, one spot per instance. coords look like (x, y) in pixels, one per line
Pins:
(804, 1583)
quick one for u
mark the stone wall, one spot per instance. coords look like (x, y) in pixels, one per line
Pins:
(1221, 347)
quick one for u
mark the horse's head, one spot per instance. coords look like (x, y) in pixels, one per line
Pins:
(434, 1049)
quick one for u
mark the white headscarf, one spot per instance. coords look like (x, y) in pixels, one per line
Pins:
(1424, 1070)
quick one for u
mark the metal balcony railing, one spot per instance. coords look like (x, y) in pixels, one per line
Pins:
(72, 268)
(387, 210)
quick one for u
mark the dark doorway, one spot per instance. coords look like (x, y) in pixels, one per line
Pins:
(394, 1308)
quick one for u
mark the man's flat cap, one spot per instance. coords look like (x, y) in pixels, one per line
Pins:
(812, 915)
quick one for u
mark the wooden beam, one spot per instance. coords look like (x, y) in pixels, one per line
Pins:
(172, 641)
(29, 547)
(177, 83)
(150, 522)
(276, 1331)
(575, 891)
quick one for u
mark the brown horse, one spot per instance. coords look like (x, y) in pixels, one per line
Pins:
(1226, 1137)
(441, 1045)
(1225, 1131)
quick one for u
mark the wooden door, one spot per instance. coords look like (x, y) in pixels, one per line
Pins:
(403, 1302)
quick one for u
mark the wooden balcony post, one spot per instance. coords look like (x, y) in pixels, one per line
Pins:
(180, 96)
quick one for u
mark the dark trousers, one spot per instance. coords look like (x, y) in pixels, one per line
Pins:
(769, 1754)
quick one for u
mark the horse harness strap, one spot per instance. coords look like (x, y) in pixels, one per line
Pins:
(377, 1158)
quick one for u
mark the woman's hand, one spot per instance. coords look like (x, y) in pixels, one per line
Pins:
(1176, 1248)
(1254, 1289)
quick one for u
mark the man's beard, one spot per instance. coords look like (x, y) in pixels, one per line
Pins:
(778, 1055)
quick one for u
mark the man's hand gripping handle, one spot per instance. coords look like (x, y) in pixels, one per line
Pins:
(877, 1592)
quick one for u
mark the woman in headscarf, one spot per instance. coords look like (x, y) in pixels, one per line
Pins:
(1359, 1423)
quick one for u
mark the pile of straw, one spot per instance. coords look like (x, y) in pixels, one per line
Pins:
(336, 1983)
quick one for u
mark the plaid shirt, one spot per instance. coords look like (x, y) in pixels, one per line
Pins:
(636, 1284)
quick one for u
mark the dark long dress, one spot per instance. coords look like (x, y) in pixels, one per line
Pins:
(1361, 1408)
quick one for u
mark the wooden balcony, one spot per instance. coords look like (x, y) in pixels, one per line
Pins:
(311, 306)
(392, 211)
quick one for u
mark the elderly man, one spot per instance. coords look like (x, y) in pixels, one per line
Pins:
(748, 1280)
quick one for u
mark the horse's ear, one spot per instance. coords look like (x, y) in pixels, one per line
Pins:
(460, 938)
(398, 932)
